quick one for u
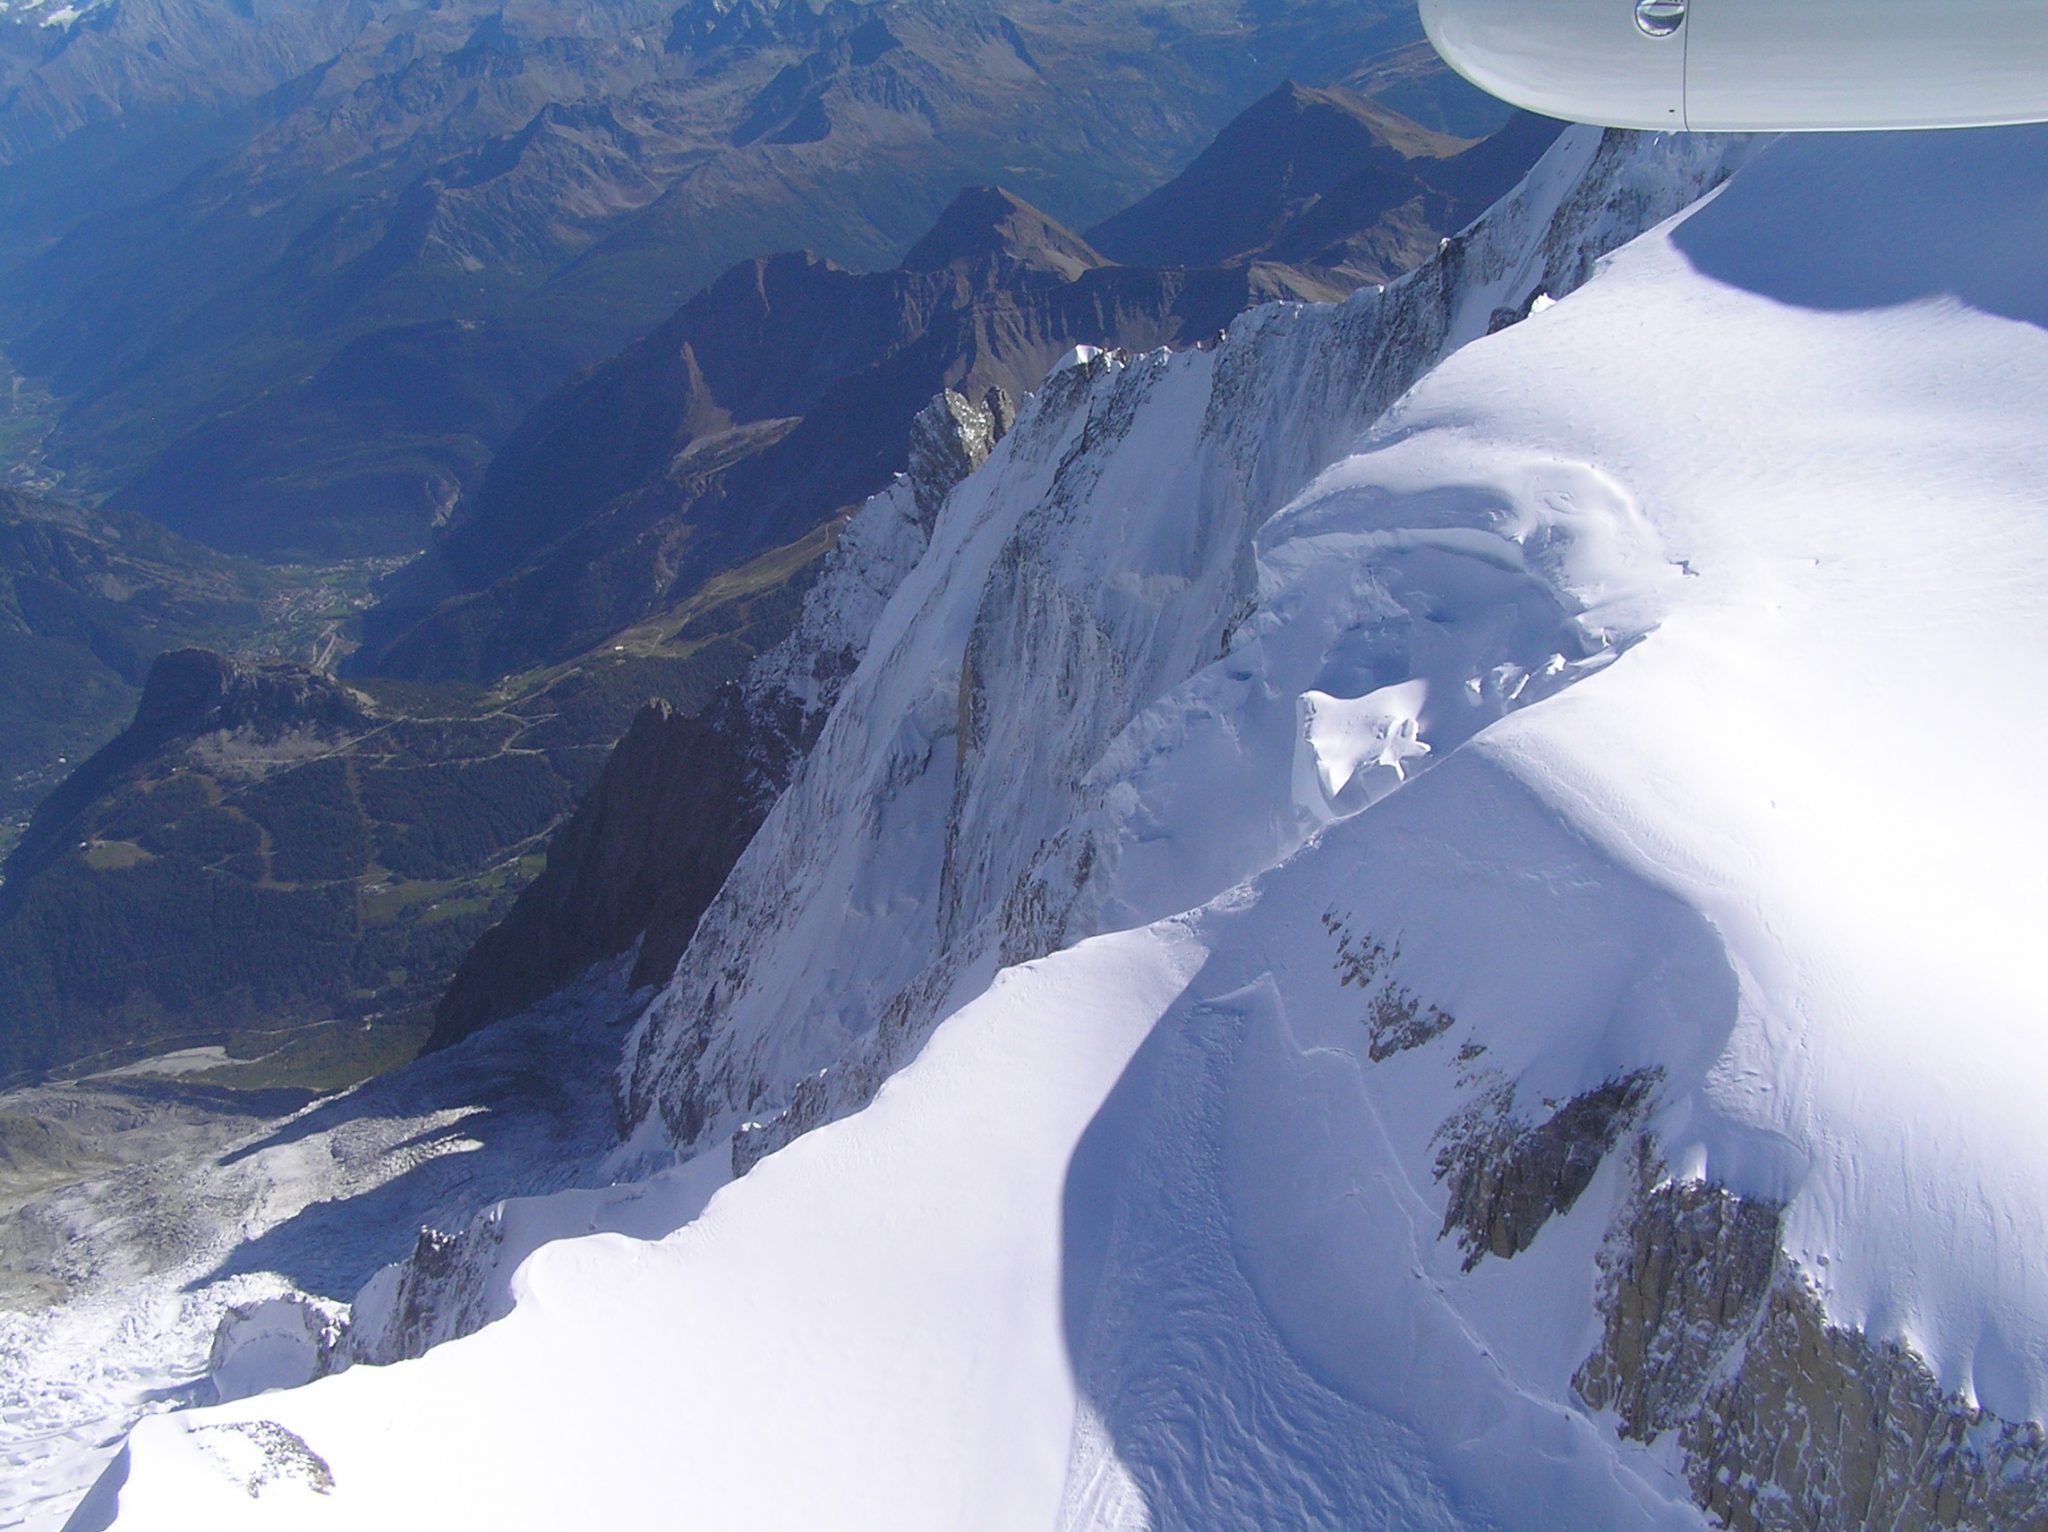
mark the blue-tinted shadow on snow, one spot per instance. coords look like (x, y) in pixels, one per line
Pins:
(1195, 1414)
(1257, 1304)
(1842, 222)
(520, 1108)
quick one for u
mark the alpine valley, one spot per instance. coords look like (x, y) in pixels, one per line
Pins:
(643, 534)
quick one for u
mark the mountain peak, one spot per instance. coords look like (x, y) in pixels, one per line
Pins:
(1292, 108)
(1289, 148)
(189, 691)
(986, 222)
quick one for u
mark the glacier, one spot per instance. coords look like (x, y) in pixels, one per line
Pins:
(1357, 954)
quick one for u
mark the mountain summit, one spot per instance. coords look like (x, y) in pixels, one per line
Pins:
(1369, 942)
(987, 223)
(1324, 179)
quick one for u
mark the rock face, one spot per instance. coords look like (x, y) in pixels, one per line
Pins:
(682, 794)
(1824, 1430)
(1686, 1278)
(1787, 1423)
(1506, 1181)
(435, 1294)
(676, 803)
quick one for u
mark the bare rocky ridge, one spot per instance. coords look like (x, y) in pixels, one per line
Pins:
(1685, 1277)
(358, 239)
(1327, 182)
(682, 794)
(1506, 1180)
(782, 394)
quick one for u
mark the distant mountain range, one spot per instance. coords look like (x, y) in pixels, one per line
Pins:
(783, 393)
(292, 276)
(644, 533)
(1326, 181)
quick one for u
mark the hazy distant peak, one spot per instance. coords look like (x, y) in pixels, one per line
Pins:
(1346, 164)
(1295, 108)
(987, 221)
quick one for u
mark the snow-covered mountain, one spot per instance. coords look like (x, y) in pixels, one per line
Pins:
(49, 13)
(1363, 952)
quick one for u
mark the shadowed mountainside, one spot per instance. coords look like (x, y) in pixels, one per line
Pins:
(306, 299)
(782, 394)
(776, 399)
(1325, 180)
(86, 602)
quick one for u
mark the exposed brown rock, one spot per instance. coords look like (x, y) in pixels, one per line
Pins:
(1787, 1423)
(1506, 1179)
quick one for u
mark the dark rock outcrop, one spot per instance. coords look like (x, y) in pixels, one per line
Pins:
(682, 794)
(1785, 1421)
(1685, 1277)
(678, 800)
(195, 691)
(1507, 1179)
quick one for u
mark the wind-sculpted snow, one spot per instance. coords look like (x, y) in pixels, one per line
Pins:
(1591, 1080)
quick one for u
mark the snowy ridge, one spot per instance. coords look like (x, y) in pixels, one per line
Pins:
(1593, 1085)
(964, 759)
(49, 13)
